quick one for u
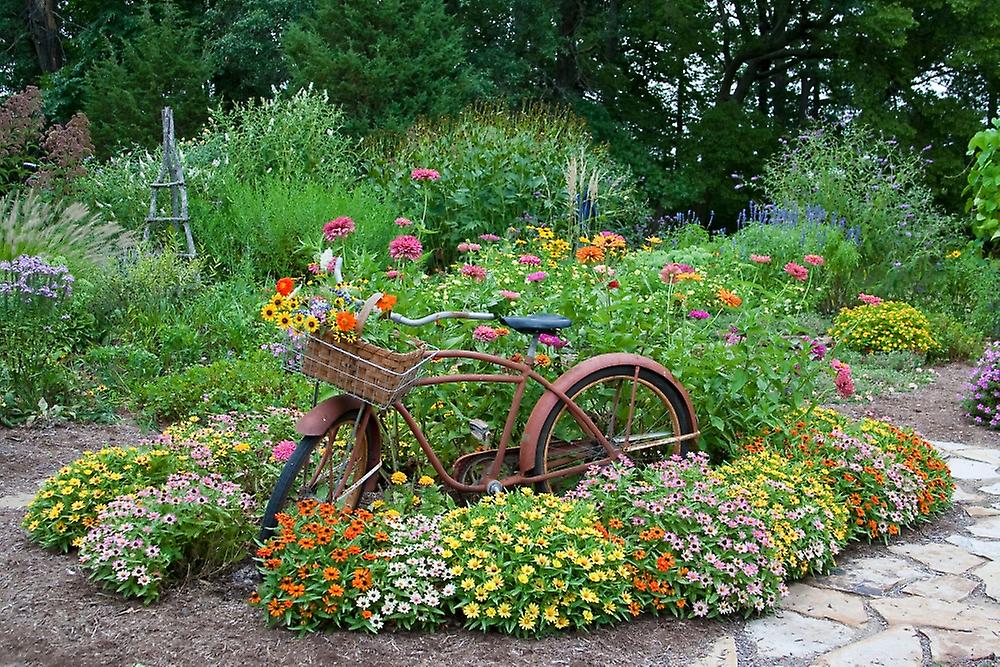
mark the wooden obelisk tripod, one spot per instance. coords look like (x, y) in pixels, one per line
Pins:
(171, 177)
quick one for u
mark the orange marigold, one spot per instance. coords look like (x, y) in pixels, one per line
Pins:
(728, 298)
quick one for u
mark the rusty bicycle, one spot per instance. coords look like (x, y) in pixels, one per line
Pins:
(603, 408)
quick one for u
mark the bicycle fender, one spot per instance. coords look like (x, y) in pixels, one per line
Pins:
(318, 420)
(565, 382)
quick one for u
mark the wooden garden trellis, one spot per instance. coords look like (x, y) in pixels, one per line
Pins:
(171, 177)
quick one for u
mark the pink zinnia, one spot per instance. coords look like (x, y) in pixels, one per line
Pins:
(465, 246)
(603, 270)
(673, 269)
(283, 450)
(489, 237)
(531, 260)
(760, 259)
(796, 271)
(406, 247)
(555, 342)
(815, 260)
(844, 382)
(869, 299)
(485, 334)
(507, 294)
(338, 228)
(477, 273)
(536, 277)
(392, 274)
(423, 174)
(403, 222)
(698, 315)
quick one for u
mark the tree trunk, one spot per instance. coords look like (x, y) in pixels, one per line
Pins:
(44, 31)
(567, 71)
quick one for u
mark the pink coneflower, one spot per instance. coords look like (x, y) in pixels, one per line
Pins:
(760, 259)
(555, 342)
(536, 277)
(403, 222)
(485, 334)
(406, 247)
(465, 246)
(796, 271)
(283, 450)
(815, 260)
(338, 228)
(489, 237)
(698, 315)
(508, 294)
(530, 260)
(477, 273)
(424, 174)
(869, 299)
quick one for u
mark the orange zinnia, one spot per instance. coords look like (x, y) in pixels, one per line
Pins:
(590, 254)
(346, 321)
(728, 298)
(386, 303)
(285, 286)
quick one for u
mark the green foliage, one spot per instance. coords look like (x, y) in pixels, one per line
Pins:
(161, 64)
(66, 230)
(499, 167)
(193, 527)
(957, 340)
(253, 383)
(877, 374)
(852, 172)
(981, 400)
(889, 326)
(984, 184)
(385, 63)
(67, 505)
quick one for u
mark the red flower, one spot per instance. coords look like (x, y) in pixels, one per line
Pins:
(614, 284)
(285, 286)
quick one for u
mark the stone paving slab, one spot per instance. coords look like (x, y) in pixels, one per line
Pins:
(869, 576)
(826, 603)
(792, 635)
(948, 446)
(986, 527)
(960, 495)
(923, 612)
(939, 557)
(990, 574)
(947, 587)
(977, 512)
(951, 646)
(971, 470)
(895, 647)
(984, 548)
(16, 501)
(721, 653)
(984, 455)
(992, 489)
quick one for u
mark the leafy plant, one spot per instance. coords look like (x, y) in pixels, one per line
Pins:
(984, 184)
(192, 526)
(957, 340)
(886, 326)
(982, 391)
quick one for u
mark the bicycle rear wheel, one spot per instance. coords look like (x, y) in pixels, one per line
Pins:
(333, 467)
(643, 417)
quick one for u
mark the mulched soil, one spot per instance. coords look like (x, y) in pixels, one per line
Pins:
(50, 614)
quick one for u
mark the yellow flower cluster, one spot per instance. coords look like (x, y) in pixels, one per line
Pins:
(890, 326)
(807, 523)
(281, 311)
(67, 505)
(533, 563)
(556, 249)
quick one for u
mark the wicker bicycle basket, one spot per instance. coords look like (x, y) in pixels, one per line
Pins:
(368, 372)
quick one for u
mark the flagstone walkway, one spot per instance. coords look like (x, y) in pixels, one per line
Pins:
(920, 603)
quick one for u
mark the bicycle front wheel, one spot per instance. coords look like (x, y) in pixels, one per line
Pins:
(644, 417)
(332, 467)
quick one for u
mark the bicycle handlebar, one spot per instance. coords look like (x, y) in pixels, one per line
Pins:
(420, 321)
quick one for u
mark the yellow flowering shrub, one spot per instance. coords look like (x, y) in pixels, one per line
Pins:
(889, 326)
(530, 564)
(67, 505)
(808, 525)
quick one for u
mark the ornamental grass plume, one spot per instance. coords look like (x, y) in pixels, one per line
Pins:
(406, 246)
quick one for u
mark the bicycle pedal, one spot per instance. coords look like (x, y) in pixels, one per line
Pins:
(480, 430)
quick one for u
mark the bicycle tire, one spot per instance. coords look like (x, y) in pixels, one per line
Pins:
(295, 465)
(671, 395)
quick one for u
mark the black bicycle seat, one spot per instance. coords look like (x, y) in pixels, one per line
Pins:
(537, 324)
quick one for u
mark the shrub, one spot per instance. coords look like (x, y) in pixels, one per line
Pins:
(244, 385)
(984, 186)
(888, 326)
(693, 548)
(498, 168)
(193, 526)
(68, 503)
(982, 391)
(807, 522)
(531, 564)
(957, 340)
(340, 568)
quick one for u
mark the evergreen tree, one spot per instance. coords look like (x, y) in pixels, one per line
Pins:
(385, 62)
